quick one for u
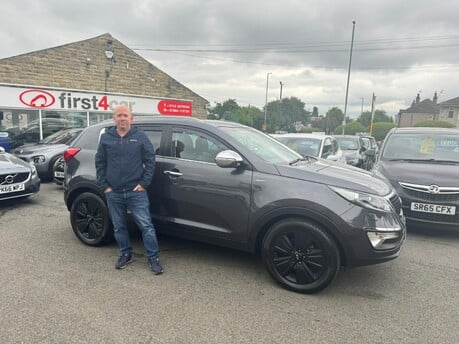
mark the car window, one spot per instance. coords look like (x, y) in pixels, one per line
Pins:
(154, 135)
(262, 145)
(307, 146)
(335, 146)
(349, 143)
(328, 148)
(194, 145)
(422, 147)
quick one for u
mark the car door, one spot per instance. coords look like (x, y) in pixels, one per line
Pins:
(198, 197)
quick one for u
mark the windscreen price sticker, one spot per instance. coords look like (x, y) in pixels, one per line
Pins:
(433, 208)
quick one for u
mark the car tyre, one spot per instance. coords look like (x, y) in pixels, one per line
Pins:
(300, 255)
(90, 220)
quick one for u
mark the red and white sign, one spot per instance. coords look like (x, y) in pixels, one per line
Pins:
(52, 99)
(175, 108)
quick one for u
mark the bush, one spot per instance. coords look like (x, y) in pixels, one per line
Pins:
(352, 128)
(434, 124)
(380, 130)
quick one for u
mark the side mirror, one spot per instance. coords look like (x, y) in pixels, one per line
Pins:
(228, 158)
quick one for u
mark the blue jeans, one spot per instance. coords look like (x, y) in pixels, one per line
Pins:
(139, 205)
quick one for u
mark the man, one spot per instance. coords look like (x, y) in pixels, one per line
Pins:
(125, 163)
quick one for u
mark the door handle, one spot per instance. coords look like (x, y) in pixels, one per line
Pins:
(172, 174)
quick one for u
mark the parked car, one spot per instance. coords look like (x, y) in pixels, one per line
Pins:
(352, 147)
(423, 166)
(58, 171)
(45, 154)
(316, 145)
(227, 184)
(369, 150)
(17, 178)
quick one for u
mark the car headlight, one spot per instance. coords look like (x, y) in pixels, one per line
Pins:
(364, 200)
(38, 159)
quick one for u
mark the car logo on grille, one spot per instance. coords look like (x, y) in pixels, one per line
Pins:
(9, 179)
(434, 189)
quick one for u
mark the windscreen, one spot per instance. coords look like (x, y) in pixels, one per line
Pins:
(429, 147)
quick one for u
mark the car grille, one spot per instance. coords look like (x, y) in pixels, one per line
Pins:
(18, 177)
(422, 192)
(396, 203)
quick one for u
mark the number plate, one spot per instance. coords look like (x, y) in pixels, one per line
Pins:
(59, 174)
(11, 188)
(433, 208)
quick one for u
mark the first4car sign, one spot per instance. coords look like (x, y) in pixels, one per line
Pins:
(40, 98)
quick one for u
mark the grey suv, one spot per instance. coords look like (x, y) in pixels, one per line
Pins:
(227, 184)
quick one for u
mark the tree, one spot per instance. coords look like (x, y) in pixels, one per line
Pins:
(380, 130)
(282, 114)
(315, 112)
(332, 119)
(435, 124)
(380, 116)
(352, 128)
(228, 108)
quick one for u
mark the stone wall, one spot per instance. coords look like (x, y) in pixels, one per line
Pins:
(84, 66)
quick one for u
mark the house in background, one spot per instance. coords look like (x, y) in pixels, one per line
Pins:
(449, 111)
(419, 111)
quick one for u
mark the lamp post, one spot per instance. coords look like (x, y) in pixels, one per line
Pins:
(348, 76)
(266, 100)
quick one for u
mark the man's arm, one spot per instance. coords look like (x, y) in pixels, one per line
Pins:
(101, 166)
(148, 158)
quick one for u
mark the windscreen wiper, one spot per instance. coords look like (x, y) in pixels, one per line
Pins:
(295, 161)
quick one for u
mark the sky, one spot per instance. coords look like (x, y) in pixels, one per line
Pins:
(258, 51)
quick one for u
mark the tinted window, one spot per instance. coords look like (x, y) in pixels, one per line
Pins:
(264, 146)
(193, 145)
(422, 147)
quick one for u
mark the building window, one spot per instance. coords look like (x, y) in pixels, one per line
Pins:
(451, 114)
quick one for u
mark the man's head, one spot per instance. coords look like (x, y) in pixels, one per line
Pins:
(123, 118)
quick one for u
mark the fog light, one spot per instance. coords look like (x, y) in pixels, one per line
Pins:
(39, 159)
(377, 239)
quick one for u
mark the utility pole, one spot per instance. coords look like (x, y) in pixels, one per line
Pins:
(348, 76)
(373, 100)
(266, 101)
(361, 108)
(281, 84)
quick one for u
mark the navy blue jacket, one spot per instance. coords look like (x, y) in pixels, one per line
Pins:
(124, 162)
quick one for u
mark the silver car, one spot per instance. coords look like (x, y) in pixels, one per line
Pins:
(46, 152)
(316, 145)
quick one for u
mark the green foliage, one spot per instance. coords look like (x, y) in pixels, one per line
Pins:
(224, 111)
(434, 124)
(282, 114)
(351, 128)
(380, 116)
(315, 111)
(380, 130)
(332, 119)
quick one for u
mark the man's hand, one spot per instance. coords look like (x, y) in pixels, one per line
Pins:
(109, 189)
(139, 188)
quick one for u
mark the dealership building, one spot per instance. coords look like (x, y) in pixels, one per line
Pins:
(79, 84)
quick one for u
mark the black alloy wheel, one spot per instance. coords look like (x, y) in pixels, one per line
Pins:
(90, 220)
(300, 255)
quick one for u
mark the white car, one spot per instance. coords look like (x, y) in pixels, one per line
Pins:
(316, 145)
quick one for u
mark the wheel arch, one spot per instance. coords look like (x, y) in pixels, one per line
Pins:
(315, 217)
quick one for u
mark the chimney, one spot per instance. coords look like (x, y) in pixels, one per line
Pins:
(435, 98)
(418, 98)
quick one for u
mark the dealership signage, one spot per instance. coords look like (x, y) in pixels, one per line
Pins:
(65, 100)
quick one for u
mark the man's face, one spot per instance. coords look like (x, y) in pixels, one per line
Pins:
(123, 118)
